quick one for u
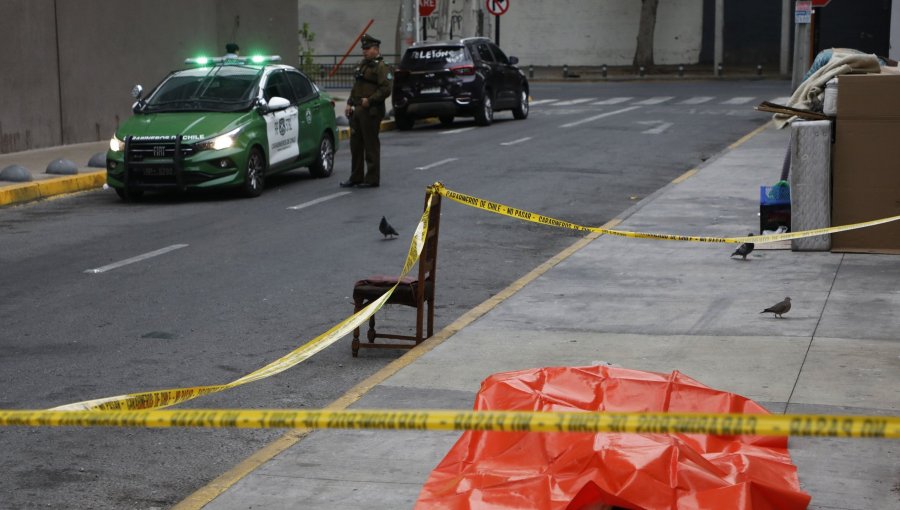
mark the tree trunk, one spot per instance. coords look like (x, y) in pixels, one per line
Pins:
(643, 55)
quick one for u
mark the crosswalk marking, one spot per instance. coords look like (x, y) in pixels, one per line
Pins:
(613, 100)
(575, 101)
(738, 100)
(655, 100)
(697, 100)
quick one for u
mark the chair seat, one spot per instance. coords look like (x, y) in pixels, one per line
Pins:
(371, 288)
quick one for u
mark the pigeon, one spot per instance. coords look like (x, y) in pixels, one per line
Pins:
(744, 249)
(386, 229)
(780, 308)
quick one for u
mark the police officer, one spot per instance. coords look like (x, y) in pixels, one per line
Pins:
(232, 51)
(365, 109)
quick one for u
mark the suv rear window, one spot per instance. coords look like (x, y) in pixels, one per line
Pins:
(433, 58)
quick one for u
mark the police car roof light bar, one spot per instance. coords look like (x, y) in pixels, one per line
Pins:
(256, 59)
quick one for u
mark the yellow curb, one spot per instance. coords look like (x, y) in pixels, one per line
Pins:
(36, 190)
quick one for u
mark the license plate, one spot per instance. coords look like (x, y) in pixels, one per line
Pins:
(158, 171)
(431, 90)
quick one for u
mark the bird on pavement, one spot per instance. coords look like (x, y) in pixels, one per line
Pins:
(779, 308)
(744, 249)
(386, 229)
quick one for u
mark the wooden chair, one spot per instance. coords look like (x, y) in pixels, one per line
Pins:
(417, 292)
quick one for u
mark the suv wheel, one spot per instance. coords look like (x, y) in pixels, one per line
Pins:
(446, 120)
(403, 121)
(485, 115)
(521, 111)
(324, 163)
(254, 178)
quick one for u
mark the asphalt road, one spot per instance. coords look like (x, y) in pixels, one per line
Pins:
(256, 279)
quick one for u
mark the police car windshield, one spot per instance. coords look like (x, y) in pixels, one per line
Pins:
(227, 88)
(433, 58)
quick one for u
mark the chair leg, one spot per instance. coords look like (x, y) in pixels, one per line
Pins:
(430, 318)
(419, 320)
(371, 332)
(357, 306)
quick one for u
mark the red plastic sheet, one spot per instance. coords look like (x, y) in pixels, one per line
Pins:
(510, 470)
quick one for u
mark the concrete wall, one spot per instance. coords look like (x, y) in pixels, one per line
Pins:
(29, 92)
(539, 32)
(69, 66)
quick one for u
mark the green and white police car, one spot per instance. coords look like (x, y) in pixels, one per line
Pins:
(223, 123)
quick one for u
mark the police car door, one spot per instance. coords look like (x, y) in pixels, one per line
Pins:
(310, 126)
(281, 125)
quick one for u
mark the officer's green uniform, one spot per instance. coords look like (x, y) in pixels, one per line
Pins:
(373, 81)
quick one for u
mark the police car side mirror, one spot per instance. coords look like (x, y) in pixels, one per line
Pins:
(138, 106)
(278, 103)
(513, 61)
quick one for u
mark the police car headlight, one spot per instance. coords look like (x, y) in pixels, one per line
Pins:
(220, 142)
(116, 145)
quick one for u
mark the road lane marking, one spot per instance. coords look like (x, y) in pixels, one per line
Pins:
(455, 131)
(655, 100)
(575, 101)
(132, 260)
(520, 140)
(318, 200)
(595, 117)
(543, 101)
(613, 100)
(438, 163)
(661, 127)
(697, 100)
(738, 100)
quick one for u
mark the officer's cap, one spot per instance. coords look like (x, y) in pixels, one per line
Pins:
(368, 41)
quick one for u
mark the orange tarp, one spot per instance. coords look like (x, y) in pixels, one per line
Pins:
(511, 470)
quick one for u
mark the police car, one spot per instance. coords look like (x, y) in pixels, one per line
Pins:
(223, 123)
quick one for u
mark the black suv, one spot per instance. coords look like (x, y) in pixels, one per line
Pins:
(468, 77)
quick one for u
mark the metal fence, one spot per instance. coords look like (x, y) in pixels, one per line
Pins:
(321, 68)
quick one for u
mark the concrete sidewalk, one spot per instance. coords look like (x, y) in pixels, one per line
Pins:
(642, 304)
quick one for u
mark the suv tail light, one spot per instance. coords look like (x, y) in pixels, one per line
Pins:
(465, 70)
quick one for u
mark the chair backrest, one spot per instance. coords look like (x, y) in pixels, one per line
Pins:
(428, 259)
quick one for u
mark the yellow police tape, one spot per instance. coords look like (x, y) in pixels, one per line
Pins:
(164, 398)
(884, 427)
(512, 212)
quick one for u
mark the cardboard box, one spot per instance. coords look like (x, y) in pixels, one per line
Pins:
(866, 168)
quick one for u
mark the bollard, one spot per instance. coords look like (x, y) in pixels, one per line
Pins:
(719, 69)
(603, 70)
(680, 70)
(531, 71)
(758, 69)
(641, 72)
(565, 70)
